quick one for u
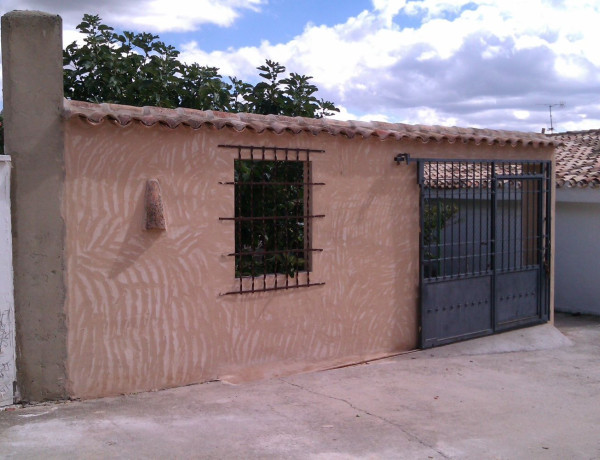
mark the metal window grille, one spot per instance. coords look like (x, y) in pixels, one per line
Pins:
(272, 218)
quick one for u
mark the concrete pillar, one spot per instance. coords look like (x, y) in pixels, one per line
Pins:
(33, 100)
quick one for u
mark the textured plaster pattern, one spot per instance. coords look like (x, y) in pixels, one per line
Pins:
(145, 309)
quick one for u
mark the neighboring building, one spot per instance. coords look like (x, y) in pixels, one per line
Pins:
(578, 222)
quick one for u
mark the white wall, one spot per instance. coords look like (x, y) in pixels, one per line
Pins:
(7, 308)
(577, 251)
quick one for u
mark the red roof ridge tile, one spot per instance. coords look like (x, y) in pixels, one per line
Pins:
(124, 115)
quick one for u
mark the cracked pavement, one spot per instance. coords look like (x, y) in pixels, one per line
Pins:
(531, 393)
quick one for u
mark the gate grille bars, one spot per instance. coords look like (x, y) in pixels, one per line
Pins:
(458, 234)
(272, 218)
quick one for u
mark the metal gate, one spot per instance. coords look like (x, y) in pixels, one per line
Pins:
(484, 247)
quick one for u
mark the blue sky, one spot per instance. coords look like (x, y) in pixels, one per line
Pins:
(485, 63)
(276, 21)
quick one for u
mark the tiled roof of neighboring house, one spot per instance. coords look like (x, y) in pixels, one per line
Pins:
(172, 118)
(463, 174)
(578, 159)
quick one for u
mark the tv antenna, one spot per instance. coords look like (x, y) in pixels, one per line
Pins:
(559, 104)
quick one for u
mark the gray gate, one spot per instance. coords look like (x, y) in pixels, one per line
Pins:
(484, 247)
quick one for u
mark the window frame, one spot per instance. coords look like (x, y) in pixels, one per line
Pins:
(270, 278)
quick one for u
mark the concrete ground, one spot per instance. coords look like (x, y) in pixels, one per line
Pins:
(531, 393)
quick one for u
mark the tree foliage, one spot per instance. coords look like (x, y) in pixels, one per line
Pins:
(139, 69)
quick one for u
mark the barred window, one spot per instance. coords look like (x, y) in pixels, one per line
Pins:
(272, 218)
(270, 230)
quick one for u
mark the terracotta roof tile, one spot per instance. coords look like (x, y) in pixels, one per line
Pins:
(578, 158)
(196, 119)
(463, 174)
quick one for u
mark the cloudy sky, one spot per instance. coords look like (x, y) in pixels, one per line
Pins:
(489, 63)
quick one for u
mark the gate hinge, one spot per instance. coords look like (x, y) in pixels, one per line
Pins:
(402, 158)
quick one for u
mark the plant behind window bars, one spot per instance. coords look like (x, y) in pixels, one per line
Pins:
(271, 235)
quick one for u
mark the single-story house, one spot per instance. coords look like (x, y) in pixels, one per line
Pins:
(146, 258)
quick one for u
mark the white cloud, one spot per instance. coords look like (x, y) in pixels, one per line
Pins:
(387, 9)
(484, 64)
(521, 114)
(491, 63)
(580, 125)
(430, 116)
(70, 36)
(184, 15)
(344, 114)
(440, 8)
(150, 15)
(241, 63)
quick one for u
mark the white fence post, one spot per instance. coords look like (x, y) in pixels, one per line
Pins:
(7, 306)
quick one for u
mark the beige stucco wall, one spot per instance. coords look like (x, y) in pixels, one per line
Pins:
(145, 309)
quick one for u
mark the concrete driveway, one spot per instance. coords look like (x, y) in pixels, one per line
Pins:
(532, 393)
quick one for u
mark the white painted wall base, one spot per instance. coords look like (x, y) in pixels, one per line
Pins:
(7, 306)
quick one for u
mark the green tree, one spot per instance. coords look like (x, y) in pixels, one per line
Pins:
(139, 69)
